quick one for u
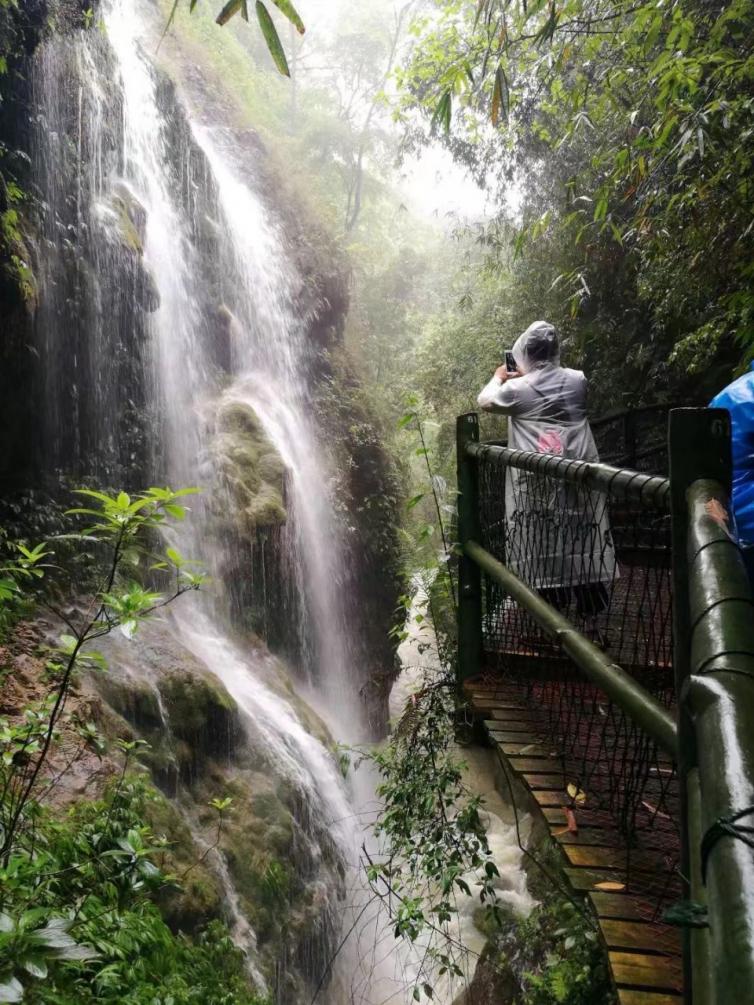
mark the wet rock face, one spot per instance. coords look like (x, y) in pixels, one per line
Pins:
(249, 470)
(283, 864)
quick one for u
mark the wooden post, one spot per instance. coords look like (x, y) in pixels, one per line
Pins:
(469, 576)
(698, 447)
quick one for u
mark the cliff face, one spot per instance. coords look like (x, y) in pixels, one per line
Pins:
(271, 872)
(77, 297)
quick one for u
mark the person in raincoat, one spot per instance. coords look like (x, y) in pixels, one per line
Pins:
(738, 399)
(558, 536)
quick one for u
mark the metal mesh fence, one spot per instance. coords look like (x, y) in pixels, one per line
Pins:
(635, 438)
(602, 558)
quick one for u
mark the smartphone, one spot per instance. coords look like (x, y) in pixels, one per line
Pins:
(510, 363)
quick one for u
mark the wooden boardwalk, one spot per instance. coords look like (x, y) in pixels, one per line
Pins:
(644, 953)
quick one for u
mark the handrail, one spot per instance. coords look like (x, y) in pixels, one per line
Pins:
(649, 489)
(635, 700)
(718, 696)
(713, 663)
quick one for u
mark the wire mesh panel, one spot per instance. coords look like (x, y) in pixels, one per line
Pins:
(635, 438)
(601, 556)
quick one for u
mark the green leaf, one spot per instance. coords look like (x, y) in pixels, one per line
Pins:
(231, 8)
(272, 39)
(35, 966)
(415, 500)
(500, 96)
(11, 990)
(287, 8)
(128, 628)
(443, 112)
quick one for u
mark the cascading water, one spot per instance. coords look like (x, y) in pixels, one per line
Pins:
(172, 350)
(148, 237)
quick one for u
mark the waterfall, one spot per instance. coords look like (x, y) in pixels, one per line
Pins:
(168, 306)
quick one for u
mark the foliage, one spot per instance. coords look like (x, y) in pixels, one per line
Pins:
(433, 847)
(93, 933)
(620, 127)
(560, 957)
(432, 843)
(77, 917)
(551, 957)
(266, 24)
(124, 527)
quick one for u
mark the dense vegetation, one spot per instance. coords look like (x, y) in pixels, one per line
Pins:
(79, 918)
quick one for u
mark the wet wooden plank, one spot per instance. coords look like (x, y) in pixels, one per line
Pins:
(527, 749)
(614, 858)
(628, 996)
(537, 765)
(584, 817)
(514, 715)
(586, 880)
(582, 836)
(500, 705)
(505, 720)
(521, 737)
(623, 906)
(544, 781)
(637, 970)
(495, 726)
(552, 798)
(641, 936)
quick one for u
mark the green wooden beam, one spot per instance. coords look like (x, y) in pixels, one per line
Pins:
(620, 687)
(618, 483)
(718, 697)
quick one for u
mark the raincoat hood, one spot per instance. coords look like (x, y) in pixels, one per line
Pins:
(537, 346)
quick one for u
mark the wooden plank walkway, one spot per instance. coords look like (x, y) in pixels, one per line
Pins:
(643, 952)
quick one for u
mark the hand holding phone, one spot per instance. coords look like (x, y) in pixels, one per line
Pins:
(510, 362)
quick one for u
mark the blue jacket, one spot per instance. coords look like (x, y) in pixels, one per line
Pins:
(738, 398)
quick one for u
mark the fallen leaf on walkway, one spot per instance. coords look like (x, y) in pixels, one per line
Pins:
(610, 884)
(578, 795)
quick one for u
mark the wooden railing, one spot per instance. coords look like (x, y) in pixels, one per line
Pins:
(654, 682)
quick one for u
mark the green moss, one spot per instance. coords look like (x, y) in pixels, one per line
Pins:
(250, 468)
(197, 899)
(200, 711)
(126, 227)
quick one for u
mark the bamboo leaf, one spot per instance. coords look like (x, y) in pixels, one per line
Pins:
(287, 8)
(231, 8)
(272, 39)
(500, 96)
(443, 111)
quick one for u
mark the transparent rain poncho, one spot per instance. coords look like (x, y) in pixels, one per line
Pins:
(558, 535)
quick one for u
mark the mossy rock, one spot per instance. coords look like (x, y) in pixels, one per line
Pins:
(200, 712)
(249, 467)
(196, 898)
(133, 698)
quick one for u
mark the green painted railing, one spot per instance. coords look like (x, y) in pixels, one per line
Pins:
(711, 733)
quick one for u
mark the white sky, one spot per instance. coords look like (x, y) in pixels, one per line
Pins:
(434, 185)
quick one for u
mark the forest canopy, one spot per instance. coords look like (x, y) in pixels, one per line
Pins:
(626, 129)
